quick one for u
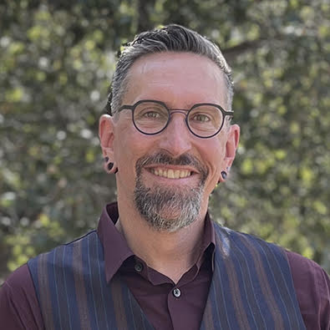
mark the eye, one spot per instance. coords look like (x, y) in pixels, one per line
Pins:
(150, 111)
(199, 117)
(151, 114)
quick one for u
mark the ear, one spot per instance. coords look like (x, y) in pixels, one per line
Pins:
(106, 135)
(232, 144)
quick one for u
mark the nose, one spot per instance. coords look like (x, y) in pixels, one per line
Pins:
(176, 138)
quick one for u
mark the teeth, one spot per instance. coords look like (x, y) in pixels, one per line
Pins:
(171, 174)
(184, 174)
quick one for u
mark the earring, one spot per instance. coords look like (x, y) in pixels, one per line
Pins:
(110, 166)
(224, 175)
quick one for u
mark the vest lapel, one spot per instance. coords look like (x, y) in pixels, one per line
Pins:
(73, 292)
(128, 312)
(251, 287)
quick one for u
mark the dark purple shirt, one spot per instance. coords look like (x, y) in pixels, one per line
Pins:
(167, 305)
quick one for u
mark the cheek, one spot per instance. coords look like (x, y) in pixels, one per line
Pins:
(216, 153)
(129, 147)
(124, 151)
(215, 160)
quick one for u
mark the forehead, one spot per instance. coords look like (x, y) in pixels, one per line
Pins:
(177, 78)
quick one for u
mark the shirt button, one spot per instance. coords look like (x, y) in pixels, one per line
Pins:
(176, 293)
(138, 267)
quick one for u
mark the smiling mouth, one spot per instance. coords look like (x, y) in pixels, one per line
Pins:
(171, 174)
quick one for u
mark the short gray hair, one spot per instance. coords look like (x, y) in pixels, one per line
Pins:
(171, 38)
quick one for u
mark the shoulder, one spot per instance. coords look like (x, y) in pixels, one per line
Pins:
(249, 245)
(62, 259)
(310, 282)
(65, 254)
(19, 307)
(306, 269)
(312, 286)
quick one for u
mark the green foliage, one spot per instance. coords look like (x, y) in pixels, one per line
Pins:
(279, 186)
(56, 62)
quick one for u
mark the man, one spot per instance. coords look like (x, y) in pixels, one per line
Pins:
(156, 260)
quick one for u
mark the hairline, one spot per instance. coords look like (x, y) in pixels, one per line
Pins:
(165, 40)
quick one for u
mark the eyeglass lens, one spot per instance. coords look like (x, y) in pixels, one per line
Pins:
(152, 117)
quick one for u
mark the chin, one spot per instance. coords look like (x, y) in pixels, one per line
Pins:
(167, 208)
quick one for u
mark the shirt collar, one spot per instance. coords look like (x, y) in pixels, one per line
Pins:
(116, 249)
(208, 245)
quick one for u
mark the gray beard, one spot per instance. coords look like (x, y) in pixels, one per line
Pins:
(169, 208)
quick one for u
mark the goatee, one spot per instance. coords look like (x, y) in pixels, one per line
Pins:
(167, 208)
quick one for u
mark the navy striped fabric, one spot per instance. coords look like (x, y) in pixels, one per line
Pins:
(251, 288)
(73, 293)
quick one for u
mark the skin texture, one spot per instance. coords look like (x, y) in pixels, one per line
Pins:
(180, 80)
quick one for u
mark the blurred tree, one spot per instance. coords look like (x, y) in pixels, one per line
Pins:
(56, 62)
(281, 186)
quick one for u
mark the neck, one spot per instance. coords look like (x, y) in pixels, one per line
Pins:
(171, 254)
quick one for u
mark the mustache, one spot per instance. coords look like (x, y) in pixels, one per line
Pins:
(165, 159)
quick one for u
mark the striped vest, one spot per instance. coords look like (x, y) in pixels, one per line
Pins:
(251, 288)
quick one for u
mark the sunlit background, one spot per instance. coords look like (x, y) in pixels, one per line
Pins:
(56, 63)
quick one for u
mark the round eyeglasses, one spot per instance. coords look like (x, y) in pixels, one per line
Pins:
(151, 117)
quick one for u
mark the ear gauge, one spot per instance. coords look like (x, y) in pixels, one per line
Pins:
(109, 166)
(224, 175)
(112, 168)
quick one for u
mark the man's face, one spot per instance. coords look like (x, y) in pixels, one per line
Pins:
(168, 177)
